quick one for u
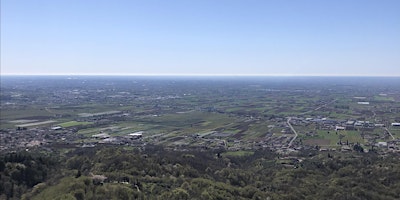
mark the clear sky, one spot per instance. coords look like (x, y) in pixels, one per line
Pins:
(270, 37)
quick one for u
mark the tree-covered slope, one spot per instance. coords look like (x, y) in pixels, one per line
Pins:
(155, 173)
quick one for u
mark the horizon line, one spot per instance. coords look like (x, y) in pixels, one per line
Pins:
(206, 75)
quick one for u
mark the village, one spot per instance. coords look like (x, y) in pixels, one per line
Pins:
(279, 138)
(83, 114)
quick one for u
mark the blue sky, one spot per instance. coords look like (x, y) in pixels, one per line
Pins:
(201, 37)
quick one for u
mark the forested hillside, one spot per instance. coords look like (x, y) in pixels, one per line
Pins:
(155, 173)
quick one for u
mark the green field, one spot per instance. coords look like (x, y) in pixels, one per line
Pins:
(73, 123)
(238, 153)
(191, 122)
(383, 98)
(323, 136)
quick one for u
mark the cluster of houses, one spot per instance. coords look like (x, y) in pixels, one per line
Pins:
(22, 138)
(129, 139)
(214, 139)
(333, 124)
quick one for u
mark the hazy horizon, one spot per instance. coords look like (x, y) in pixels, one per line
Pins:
(208, 75)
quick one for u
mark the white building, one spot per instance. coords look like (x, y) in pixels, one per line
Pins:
(396, 124)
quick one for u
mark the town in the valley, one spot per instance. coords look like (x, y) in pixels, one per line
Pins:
(226, 114)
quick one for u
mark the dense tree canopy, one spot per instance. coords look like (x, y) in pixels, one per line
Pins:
(156, 173)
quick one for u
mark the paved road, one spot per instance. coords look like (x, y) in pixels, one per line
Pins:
(389, 133)
(294, 131)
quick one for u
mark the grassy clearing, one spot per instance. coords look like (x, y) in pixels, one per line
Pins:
(73, 123)
(319, 142)
(256, 130)
(336, 115)
(238, 153)
(260, 128)
(189, 122)
(333, 138)
(231, 130)
(383, 98)
(123, 129)
(6, 124)
(29, 113)
(395, 132)
(37, 123)
(353, 136)
(89, 131)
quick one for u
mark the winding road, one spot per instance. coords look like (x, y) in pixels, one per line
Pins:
(294, 131)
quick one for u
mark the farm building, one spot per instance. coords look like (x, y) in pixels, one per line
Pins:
(396, 124)
(55, 128)
(136, 135)
(340, 128)
(382, 144)
(101, 136)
